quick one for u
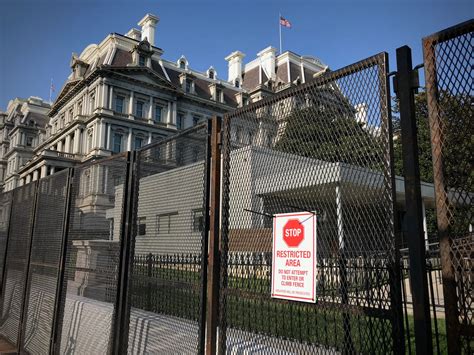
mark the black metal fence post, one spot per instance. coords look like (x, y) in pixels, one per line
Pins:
(149, 274)
(214, 251)
(122, 309)
(205, 240)
(413, 217)
(60, 300)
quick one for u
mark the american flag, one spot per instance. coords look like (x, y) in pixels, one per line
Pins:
(284, 22)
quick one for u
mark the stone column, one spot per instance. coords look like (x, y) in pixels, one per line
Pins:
(28, 178)
(77, 139)
(67, 144)
(60, 146)
(35, 175)
(99, 139)
(169, 118)
(103, 103)
(52, 170)
(109, 137)
(44, 171)
(111, 97)
(130, 104)
(150, 110)
(149, 137)
(130, 135)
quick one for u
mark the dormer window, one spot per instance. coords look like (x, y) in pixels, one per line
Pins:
(142, 53)
(211, 74)
(189, 85)
(182, 64)
(237, 83)
(219, 95)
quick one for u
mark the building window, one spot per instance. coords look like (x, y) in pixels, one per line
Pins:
(141, 225)
(117, 143)
(141, 60)
(198, 220)
(189, 85)
(211, 74)
(237, 83)
(195, 155)
(71, 114)
(119, 100)
(158, 111)
(166, 222)
(182, 64)
(138, 142)
(139, 109)
(218, 95)
(111, 229)
(79, 108)
(195, 120)
(89, 139)
(179, 121)
(29, 141)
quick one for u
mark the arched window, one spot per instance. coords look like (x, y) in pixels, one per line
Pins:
(182, 64)
(211, 74)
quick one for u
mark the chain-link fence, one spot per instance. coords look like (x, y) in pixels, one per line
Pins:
(168, 270)
(448, 58)
(323, 148)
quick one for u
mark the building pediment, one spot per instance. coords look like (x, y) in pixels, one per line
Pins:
(143, 75)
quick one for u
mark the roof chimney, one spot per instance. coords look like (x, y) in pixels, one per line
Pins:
(135, 34)
(148, 25)
(235, 66)
(268, 61)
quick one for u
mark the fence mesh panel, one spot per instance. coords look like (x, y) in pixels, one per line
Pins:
(44, 263)
(17, 261)
(323, 147)
(5, 208)
(448, 59)
(166, 279)
(92, 257)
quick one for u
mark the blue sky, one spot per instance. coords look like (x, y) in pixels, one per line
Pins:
(37, 37)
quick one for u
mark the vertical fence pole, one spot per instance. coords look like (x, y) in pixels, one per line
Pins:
(205, 239)
(413, 217)
(395, 269)
(122, 309)
(24, 305)
(4, 266)
(442, 203)
(60, 300)
(214, 252)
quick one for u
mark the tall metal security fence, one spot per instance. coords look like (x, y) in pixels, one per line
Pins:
(169, 249)
(448, 57)
(325, 148)
(168, 254)
(88, 288)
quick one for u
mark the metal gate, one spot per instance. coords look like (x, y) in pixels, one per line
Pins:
(323, 147)
(448, 57)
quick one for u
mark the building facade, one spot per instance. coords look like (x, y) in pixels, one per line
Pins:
(122, 94)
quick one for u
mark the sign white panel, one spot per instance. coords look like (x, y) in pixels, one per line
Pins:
(294, 256)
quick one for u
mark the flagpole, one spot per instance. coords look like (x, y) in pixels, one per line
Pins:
(51, 90)
(279, 27)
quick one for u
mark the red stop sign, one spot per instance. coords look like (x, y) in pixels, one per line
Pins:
(293, 233)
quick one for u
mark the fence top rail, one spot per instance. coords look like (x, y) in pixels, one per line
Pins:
(326, 78)
(450, 33)
(173, 137)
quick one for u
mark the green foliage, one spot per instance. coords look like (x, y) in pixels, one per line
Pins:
(329, 135)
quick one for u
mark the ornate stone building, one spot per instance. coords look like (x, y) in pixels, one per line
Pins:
(122, 94)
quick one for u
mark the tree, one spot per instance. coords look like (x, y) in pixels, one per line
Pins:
(330, 134)
(457, 152)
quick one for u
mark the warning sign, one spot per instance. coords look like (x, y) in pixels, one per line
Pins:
(294, 256)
